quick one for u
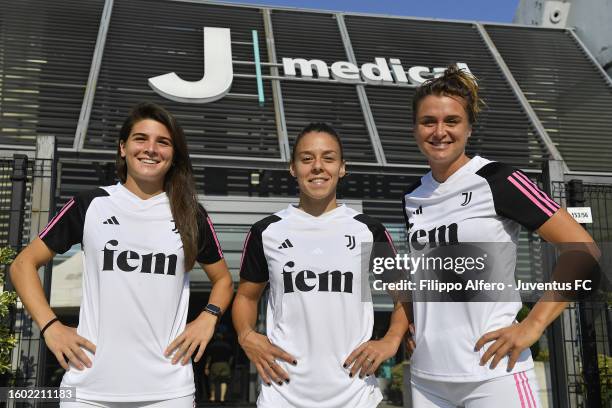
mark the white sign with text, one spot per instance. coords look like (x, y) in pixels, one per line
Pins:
(218, 77)
(582, 215)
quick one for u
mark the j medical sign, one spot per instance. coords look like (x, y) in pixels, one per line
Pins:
(217, 80)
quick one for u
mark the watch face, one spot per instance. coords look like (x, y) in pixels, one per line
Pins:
(216, 310)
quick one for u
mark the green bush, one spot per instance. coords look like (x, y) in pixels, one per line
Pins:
(543, 355)
(395, 390)
(604, 363)
(7, 300)
(397, 377)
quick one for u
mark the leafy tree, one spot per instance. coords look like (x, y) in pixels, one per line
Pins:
(7, 301)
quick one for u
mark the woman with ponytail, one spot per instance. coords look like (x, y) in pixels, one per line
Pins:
(474, 354)
(139, 238)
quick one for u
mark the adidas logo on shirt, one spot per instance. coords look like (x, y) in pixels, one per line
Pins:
(111, 220)
(418, 210)
(286, 244)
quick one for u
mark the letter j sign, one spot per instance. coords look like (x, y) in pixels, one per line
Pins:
(218, 72)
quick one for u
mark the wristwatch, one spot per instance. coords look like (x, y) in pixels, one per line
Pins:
(213, 310)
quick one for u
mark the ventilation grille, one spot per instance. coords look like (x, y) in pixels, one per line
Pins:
(503, 131)
(316, 36)
(568, 93)
(143, 42)
(45, 55)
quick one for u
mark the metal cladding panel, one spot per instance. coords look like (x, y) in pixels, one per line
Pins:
(503, 131)
(316, 36)
(45, 55)
(147, 38)
(337, 105)
(566, 90)
(7, 167)
(6, 185)
(214, 181)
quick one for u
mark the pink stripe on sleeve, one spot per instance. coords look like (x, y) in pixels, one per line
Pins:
(529, 196)
(535, 190)
(518, 389)
(391, 242)
(529, 388)
(55, 219)
(542, 193)
(215, 236)
(246, 241)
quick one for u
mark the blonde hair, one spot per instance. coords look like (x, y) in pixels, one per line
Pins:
(453, 82)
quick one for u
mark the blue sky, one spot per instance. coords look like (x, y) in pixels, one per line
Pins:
(480, 10)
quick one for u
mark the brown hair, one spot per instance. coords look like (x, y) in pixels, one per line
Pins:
(178, 182)
(454, 82)
(317, 127)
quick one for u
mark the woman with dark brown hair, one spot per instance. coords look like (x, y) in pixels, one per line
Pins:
(139, 238)
(318, 349)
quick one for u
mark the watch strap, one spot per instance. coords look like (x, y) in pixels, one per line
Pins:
(213, 310)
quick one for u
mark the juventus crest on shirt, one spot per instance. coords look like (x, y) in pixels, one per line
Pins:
(316, 311)
(135, 291)
(483, 201)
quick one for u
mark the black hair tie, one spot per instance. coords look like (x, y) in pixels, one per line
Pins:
(48, 324)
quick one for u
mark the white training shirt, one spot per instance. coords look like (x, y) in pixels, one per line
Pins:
(135, 292)
(315, 307)
(483, 201)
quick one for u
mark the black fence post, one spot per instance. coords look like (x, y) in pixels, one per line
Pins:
(553, 175)
(588, 337)
(19, 178)
(47, 180)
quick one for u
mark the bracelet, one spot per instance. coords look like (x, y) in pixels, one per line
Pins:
(244, 336)
(55, 319)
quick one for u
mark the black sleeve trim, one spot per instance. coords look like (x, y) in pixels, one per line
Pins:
(383, 244)
(65, 229)
(406, 220)
(516, 197)
(209, 249)
(412, 187)
(254, 265)
(379, 232)
(382, 247)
